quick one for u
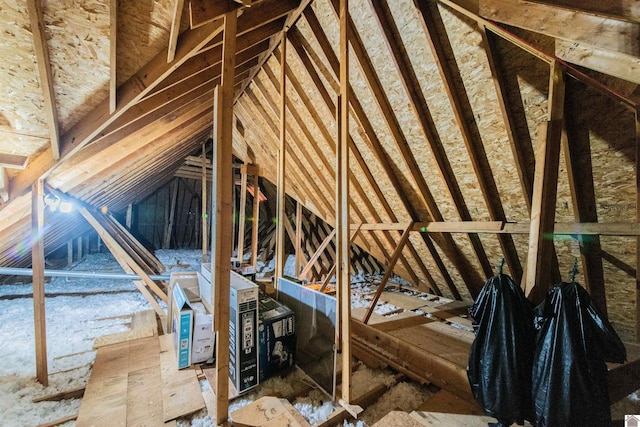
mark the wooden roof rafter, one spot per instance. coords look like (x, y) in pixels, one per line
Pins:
(412, 87)
(41, 51)
(142, 83)
(298, 89)
(367, 128)
(439, 44)
(329, 168)
(446, 242)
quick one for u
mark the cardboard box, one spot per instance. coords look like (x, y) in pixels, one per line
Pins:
(182, 325)
(276, 337)
(203, 340)
(191, 324)
(243, 333)
(205, 290)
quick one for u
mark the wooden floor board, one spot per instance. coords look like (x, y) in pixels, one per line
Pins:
(144, 397)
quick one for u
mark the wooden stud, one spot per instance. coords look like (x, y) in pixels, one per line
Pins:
(79, 248)
(4, 184)
(543, 209)
(282, 150)
(638, 221)
(168, 231)
(298, 239)
(255, 222)
(37, 265)
(175, 29)
(203, 11)
(113, 55)
(388, 272)
(129, 216)
(41, 51)
(307, 268)
(205, 205)
(13, 161)
(243, 211)
(577, 153)
(69, 253)
(223, 128)
(343, 279)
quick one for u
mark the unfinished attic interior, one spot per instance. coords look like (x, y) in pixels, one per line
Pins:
(380, 161)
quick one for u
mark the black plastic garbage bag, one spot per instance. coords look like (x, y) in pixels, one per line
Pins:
(569, 372)
(501, 354)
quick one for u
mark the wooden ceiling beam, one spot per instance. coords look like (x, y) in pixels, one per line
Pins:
(439, 45)
(620, 65)
(41, 51)
(627, 10)
(412, 87)
(202, 12)
(249, 45)
(610, 34)
(369, 133)
(13, 161)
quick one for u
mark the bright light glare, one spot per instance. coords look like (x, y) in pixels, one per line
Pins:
(66, 207)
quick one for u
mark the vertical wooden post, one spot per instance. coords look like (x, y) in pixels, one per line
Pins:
(220, 259)
(343, 278)
(298, 237)
(172, 212)
(638, 220)
(79, 249)
(69, 253)
(129, 218)
(205, 216)
(37, 264)
(545, 185)
(256, 222)
(281, 164)
(243, 211)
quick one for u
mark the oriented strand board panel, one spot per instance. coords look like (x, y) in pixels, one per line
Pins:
(437, 419)
(397, 419)
(144, 397)
(445, 401)
(181, 393)
(119, 337)
(268, 411)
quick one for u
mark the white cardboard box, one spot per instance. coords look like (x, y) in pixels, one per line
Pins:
(203, 341)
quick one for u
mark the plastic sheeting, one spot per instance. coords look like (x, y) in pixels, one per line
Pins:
(569, 372)
(501, 354)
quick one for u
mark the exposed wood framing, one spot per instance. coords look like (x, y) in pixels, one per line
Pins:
(223, 129)
(204, 11)
(126, 262)
(638, 221)
(388, 272)
(418, 103)
(113, 55)
(298, 238)
(627, 10)
(343, 279)
(13, 161)
(520, 149)
(37, 265)
(255, 222)
(577, 153)
(175, 29)
(354, 235)
(545, 188)
(4, 184)
(356, 153)
(205, 203)
(243, 211)
(282, 155)
(307, 268)
(460, 104)
(41, 51)
(612, 34)
(168, 231)
(142, 83)
(371, 137)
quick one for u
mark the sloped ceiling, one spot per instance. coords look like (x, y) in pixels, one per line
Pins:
(447, 101)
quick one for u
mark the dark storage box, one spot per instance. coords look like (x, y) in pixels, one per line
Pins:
(277, 337)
